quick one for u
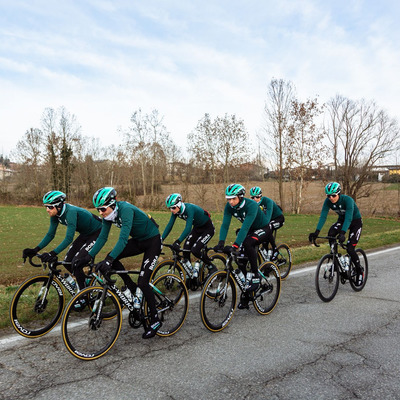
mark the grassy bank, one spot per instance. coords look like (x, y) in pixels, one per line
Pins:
(22, 227)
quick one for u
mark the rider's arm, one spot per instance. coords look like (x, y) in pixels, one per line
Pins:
(102, 239)
(71, 220)
(324, 214)
(269, 207)
(189, 223)
(127, 216)
(169, 227)
(50, 233)
(348, 216)
(251, 215)
(226, 221)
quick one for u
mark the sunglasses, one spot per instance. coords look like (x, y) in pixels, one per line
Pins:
(49, 207)
(102, 209)
(256, 197)
(173, 207)
(331, 195)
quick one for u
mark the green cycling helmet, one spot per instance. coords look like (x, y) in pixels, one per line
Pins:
(104, 197)
(255, 191)
(54, 198)
(332, 188)
(173, 200)
(233, 190)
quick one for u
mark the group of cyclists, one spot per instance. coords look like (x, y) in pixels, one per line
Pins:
(140, 234)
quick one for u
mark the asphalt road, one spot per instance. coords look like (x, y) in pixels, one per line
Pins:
(305, 349)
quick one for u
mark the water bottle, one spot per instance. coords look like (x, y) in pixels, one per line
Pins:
(196, 269)
(240, 274)
(70, 280)
(187, 264)
(249, 277)
(128, 294)
(346, 262)
(343, 263)
(269, 256)
(137, 301)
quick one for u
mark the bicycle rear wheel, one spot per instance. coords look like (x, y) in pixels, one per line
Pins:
(327, 278)
(267, 296)
(355, 282)
(284, 260)
(87, 333)
(218, 261)
(172, 303)
(218, 301)
(34, 310)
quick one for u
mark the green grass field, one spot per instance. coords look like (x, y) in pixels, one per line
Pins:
(22, 227)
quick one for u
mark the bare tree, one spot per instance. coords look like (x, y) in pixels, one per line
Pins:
(277, 107)
(361, 135)
(233, 143)
(305, 147)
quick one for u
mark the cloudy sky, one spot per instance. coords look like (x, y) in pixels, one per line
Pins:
(104, 59)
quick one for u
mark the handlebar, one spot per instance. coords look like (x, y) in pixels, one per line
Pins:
(314, 241)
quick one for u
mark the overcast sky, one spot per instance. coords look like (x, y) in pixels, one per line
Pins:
(102, 60)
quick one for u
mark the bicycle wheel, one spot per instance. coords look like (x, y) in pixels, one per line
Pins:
(355, 283)
(218, 260)
(267, 296)
(327, 278)
(172, 303)
(34, 310)
(87, 334)
(168, 267)
(284, 260)
(218, 301)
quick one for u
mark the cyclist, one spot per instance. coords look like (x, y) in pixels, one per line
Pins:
(349, 218)
(198, 231)
(274, 216)
(76, 219)
(252, 233)
(144, 238)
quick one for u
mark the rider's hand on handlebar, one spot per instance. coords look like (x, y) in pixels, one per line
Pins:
(48, 257)
(27, 253)
(176, 246)
(105, 266)
(220, 246)
(341, 237)
(81, 262)
(312, 236)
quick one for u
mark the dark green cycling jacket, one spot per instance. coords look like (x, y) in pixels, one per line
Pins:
(249, 213)
(76, 219)
(270, 208)
(192, 214)
(345, 207)
(132, 221)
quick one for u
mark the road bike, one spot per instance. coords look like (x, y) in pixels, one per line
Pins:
(283, 260)
(334, 266)
(39, 301)
(91, 332)
(218, 297)
(193, 280)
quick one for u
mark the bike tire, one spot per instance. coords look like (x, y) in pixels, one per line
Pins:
(284, 260)
(85, 336)
(218, 260)
(168, 266)
(172, 303)
(364, 268)
(267, 296)
(327, 278)
(218, 303)
(34, 312)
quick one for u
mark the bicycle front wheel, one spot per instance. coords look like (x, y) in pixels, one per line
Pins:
(284, 260)
(327, 278)
(358, 282)
(36, 309)
(168, 267)
(172, 303)
(218, 261)
(90, 332)
(267, 296)
(218, 301)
